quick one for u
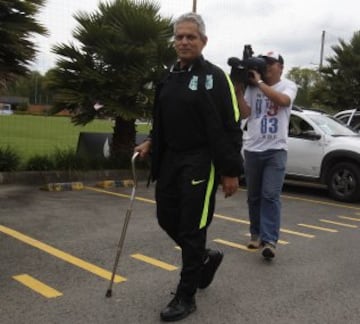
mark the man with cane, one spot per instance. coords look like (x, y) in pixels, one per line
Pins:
(195, 144)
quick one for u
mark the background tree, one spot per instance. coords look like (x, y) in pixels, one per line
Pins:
(122, 50)
(17, 25)
(33, 86)
(340, 84)
(306, 79)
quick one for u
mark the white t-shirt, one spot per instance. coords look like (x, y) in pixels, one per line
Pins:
(267, 126)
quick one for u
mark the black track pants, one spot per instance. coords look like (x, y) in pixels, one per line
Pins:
(185, 197)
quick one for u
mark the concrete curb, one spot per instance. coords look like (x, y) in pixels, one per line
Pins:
(72, 186)
(67, 178)
(63, 186)
(115, 183)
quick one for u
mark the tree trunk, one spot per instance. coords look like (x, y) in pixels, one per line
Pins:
(123, 141)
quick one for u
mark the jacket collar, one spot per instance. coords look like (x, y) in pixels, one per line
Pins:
(199, 61)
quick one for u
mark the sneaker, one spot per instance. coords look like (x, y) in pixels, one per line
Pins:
(268, 251)
(254, 242)
(211, 264)
(179, 308)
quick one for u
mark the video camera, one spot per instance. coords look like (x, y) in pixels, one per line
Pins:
(240, 68)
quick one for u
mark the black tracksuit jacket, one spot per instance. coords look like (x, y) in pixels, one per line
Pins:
(186, 119)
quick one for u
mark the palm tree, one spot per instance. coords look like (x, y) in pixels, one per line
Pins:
(340, 84)
(17, 25)
(122, 50)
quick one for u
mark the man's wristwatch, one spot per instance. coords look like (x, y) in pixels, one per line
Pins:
(260, 81)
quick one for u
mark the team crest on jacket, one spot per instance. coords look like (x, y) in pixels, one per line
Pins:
(209, 83)
(193, 85)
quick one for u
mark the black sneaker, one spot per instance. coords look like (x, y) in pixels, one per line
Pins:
(211, 264)
(179, 308)
(268, 251)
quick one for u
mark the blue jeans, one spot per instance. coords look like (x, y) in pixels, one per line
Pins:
(265, 172)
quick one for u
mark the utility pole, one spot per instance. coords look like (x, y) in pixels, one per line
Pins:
(194, 6)
(36, 90)
(322, 50)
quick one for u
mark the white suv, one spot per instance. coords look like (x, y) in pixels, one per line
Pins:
(324, 150)
(350, 117)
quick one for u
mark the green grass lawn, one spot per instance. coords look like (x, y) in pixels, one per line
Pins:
(40, 135)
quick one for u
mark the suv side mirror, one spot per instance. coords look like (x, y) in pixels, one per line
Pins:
(311, 135)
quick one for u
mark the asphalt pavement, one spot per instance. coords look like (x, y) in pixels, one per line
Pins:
(57, 250)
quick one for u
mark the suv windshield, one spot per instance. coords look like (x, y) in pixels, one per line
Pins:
(331, 126)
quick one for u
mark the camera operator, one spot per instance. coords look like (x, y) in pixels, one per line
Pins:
(266, 104)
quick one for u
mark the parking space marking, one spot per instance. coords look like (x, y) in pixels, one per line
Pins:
(237, 220)
(150, 201)
(350, 218)
(284, 230)
(337, 223)
(325, 229)
(279, 241)
(232, 219)
(61, 255)
(321, 202)
(282, 242)
(234, 245)
(154, 262)
(296, 233)
(37, 286)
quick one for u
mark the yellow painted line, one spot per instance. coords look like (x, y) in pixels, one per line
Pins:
(61, 255)
(154, 262)
(237, 220)
(320, 202)
(37, 286)
(120, 195)
(151, 201)
(337, 223)
(279, 241)
(350, 218)
(325, 229)
(296, 233)
(232, 219)
(282, 242)
(234, 245)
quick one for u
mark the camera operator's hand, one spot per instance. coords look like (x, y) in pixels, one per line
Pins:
(245, 110)
(254, 77)
(239, 88)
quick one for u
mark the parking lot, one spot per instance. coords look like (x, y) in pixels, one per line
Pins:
(57, 250)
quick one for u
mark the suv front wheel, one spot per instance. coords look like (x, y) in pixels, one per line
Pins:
(343, 182)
